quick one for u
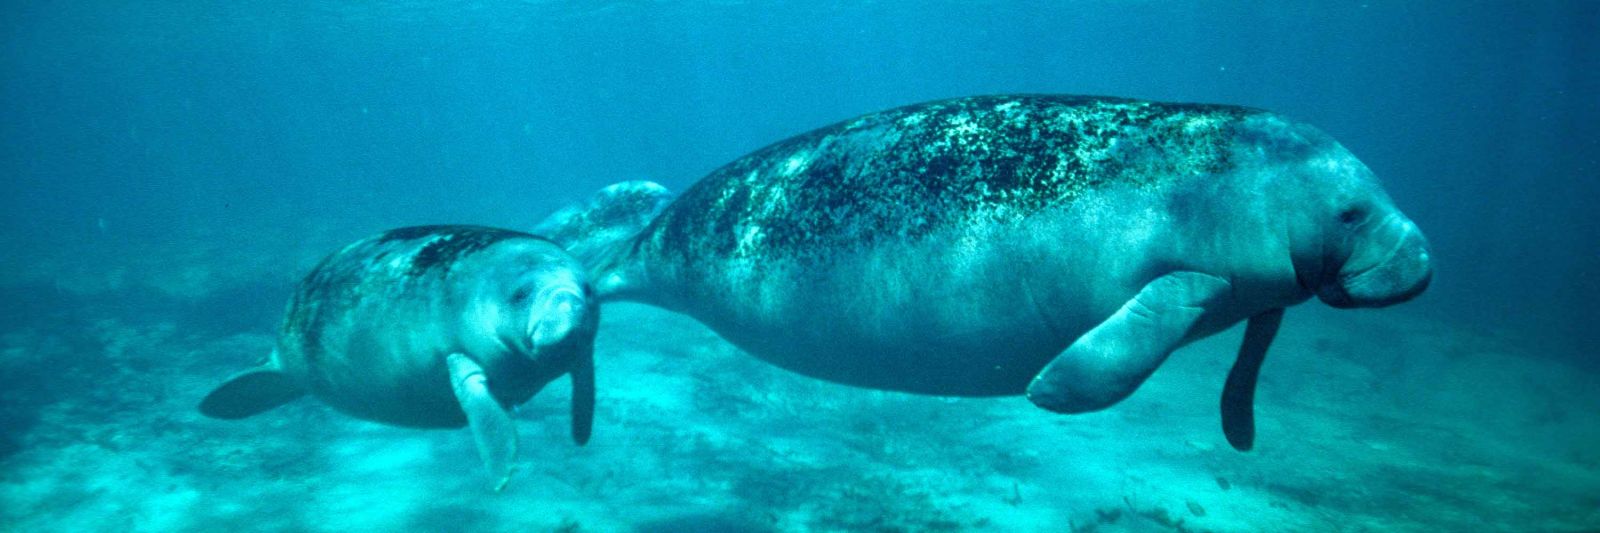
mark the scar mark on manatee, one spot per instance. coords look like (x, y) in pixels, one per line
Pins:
(448, 245)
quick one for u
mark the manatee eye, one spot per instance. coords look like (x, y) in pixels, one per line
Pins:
(1351, 215)
(521, 295)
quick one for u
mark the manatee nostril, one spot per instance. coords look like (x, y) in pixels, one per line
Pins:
(562, 300)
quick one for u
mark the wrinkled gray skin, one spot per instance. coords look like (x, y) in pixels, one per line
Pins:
(1056, 246)
(431, 327)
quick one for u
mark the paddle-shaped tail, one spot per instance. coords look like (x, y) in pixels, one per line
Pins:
(595, 230)
(250, 393)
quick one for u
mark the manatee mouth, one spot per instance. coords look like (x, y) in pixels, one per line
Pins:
(1377, 287)
(1395, 268)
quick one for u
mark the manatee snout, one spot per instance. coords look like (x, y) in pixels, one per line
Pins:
(1391, 265)
(557, 311)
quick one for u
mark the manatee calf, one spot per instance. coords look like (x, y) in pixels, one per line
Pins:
(432, 327)
(1057, 246)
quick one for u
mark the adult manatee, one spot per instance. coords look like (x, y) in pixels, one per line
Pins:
(1057, 246)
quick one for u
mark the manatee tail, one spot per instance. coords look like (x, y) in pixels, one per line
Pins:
(250, 393)
(599, 230)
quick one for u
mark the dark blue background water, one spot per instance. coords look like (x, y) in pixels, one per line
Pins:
(157, 118)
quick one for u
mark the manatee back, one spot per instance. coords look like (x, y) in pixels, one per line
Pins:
(909, 172)
(401, 274)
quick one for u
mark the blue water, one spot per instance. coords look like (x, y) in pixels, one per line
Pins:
(1480, 116)
(178, 165)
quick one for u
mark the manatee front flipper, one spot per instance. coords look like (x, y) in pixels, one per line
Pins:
(1239, 395)
(250, 393)
(583, 394)
(492, 427)
(1106, 364)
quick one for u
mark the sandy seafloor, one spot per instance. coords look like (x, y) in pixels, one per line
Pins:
(1368, 421)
